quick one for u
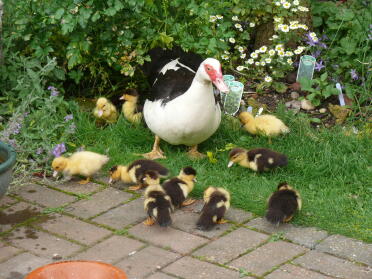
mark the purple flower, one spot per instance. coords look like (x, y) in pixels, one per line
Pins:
(319, 66)
(324, 37)
(59, 149)
(353, 74)
(316, 53)
(323, 45)
(53, 90)
(69, 117)
(310, 40)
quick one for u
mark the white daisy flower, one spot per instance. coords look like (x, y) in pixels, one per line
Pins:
(303, 9)
(226, 52)
(232, 40)
(279, 47)
(240, 68)
(257, 63)
(312, 34)
(252, 24)
(271, 52)
(212, 18)
(286, 5)
(238, 25)
(293, 26)
(285, 28)
(235, 18)
(254, 55)
(296, 2)
(268, 60)
(288, 53)
(263, 63)
(275, 36)
(224, 56)
(278, 19)
(250, 61)
(263, 49)
(240, 29)
(299, 50)
(277, 3)
(281, 53)
(222, 40)
(219, 16)
(243, 55)
(283, 1)
(257, 51)
(268, 79)
(289, 61)
(240, 48)
(294, 10)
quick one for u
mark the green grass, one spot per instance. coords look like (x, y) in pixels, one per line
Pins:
(332, 171)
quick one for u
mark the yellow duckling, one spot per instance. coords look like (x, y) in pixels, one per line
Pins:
(105, 110)
(131, 109)
(83, 163)
(266, 124)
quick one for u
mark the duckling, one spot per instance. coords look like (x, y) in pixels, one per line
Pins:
(266, 124)
(216, 203)
(157, 203)
(134, 171)
(131, 109)
(283, 204)
(83, 163)
(105, 110)
(178, 188)
(259, 159)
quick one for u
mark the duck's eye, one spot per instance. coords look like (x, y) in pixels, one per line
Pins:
(209, 68)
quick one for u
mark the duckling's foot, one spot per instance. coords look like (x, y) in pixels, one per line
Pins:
(84, 181)
(286, 220)
(221, 221)
(149, 221)
(154, 154)
(135, 188)
(195, 154)
(188, 202)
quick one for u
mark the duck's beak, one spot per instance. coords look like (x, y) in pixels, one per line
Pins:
(55, 173)
(220, 84)
(229, 165)
(100, 112)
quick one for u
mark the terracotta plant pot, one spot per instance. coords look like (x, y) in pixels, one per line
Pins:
(77, 270)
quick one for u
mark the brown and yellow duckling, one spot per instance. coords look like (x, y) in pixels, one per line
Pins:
(131, 109)
(178, 188)
(258, 159)
(283, 204)
(157, 203)
(133, 173)
(216, 203)
(105, 110)
(83, 163)
(266, 124)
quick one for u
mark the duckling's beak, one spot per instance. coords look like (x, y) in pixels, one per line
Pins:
(122, 97)
(100, 112)
(194, 179)
(110, 180)
(229, 165)
(55, 173)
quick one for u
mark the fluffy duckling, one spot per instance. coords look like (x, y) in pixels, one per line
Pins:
(259, 159)
(283, 204)
(131, 109)
(105, 110)
(216, 203)
(178, 188)
(157, 203)
(83, 163)
(267, 125)
(135, 171)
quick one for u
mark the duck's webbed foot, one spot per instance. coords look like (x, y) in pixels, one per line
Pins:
(193, 153)
(156, 152)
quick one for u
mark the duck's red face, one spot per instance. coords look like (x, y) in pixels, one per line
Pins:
(216, 77)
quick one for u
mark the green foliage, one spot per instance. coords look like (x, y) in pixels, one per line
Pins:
(348, 56)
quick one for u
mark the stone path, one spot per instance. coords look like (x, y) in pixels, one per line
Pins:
(97, 222)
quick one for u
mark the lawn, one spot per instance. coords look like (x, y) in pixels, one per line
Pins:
(330, 167)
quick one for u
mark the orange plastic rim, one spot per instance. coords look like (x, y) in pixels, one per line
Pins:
(77, 270)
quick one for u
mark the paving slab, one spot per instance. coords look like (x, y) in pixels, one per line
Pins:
(160, 275)
(111, 250)
(231, 245)
(123, 215)
(6, 201)
(195, 207)
(73, 186)
(176, 240)
(346, 247)
(146, 261)
(16, 214)
(238, 215)
(290, 271)
(266, 257)
(190, 268)
(97, 203)
(41, 243)
(306, 236)
(186, 221)
(19, 266)
(75, 229)
(333, 266)
(7, 251)
(43, 195)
